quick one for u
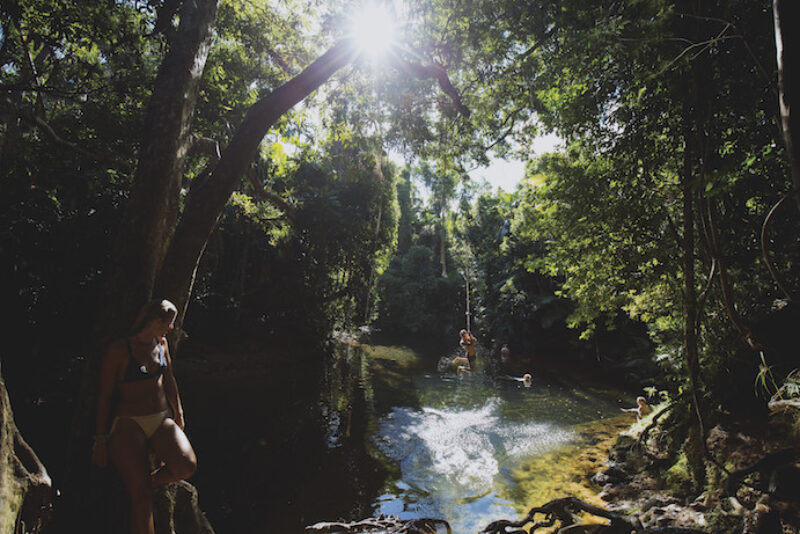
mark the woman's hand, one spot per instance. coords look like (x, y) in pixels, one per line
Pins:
(100, 452)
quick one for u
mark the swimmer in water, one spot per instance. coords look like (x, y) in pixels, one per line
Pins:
(505, 354)
(468, 343)
(526, 379)
(641, 409)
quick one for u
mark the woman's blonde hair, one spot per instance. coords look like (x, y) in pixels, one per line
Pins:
(155, 309)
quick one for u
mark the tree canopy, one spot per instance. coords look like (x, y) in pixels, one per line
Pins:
(245, 159)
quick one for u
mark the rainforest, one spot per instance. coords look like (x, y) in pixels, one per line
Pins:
(262, 270)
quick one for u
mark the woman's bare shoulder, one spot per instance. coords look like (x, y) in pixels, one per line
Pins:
(116, 349)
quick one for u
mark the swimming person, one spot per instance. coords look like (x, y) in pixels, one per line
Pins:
(526, 379)
(505, 354)
(148, 415)
(641, 409)
(468, 343)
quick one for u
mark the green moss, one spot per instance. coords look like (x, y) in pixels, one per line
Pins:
(403, 356)
(639, 425)
(11, 495)
(718, 521)
(678, 478)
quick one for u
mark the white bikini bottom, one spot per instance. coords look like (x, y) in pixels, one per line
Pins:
(148, 423)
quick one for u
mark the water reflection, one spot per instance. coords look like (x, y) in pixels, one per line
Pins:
(385, 432)
(455, 444)
(451, 460)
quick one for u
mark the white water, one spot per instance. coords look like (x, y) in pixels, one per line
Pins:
(456, 457)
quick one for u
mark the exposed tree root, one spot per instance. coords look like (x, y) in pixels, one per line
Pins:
(561, 510)
(387, 524)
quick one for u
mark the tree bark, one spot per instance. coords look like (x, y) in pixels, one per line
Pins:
(152, 210)
(787, 42)
(26, 492)
(695, 439)
(376, 234)
(208, 196)
(443, 240)
(689, 291)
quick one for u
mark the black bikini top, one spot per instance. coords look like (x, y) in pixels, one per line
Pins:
(137, 371)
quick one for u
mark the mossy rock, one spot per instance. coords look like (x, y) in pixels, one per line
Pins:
(678, 477)
(621, 448)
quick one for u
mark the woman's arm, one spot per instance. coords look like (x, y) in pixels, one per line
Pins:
(171, 389)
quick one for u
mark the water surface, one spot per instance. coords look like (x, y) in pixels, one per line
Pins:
(468, 449)
(385, 430)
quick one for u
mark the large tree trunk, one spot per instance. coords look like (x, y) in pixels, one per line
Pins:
(152, 210)
(787, 41)
(208, 195)
(694, 445)
(689, 290)
(443, 239)
(25, 489)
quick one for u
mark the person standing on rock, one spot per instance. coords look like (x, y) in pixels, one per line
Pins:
(148, 414)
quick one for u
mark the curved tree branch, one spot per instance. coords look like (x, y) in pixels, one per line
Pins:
(270, 196)
(511, 117)
(765, 250)
(210, 147)
(727, 296)
(51, 134)
(208, 194)
(439, 73)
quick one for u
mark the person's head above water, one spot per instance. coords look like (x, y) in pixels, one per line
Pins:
(641, 401)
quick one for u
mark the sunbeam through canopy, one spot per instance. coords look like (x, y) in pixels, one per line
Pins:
(373, 30)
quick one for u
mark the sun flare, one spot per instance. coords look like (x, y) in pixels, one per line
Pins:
(373, 30)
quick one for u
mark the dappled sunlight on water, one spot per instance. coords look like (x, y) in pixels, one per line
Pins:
(452, 459)
(565, 470)
(480, 448)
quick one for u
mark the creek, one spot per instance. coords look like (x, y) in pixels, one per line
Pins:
(392, 431)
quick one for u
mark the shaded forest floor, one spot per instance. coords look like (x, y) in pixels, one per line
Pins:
(644, 480)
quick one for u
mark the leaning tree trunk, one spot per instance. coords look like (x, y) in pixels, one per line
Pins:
(208, 195)
(25, 489)
(786, 13)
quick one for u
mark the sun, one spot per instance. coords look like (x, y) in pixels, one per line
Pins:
(373, 30)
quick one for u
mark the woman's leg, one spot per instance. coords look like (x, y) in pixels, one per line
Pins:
(127, 449)
(172, 447)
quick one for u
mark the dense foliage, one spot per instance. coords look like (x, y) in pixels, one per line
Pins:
(638, 244)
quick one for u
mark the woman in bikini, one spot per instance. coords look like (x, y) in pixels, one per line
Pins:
(148, 414)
